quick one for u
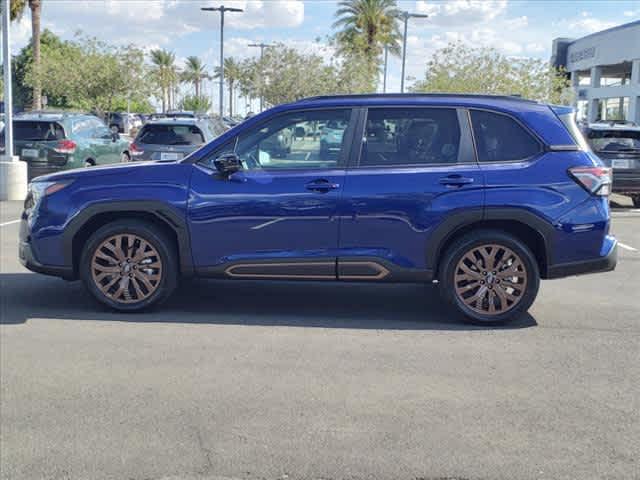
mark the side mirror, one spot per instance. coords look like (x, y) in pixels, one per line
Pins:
(228, 164)
(115, 136)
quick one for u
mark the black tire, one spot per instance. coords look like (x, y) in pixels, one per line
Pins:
(124, 157)
(156, 238)
(635, 199)
(468, 243)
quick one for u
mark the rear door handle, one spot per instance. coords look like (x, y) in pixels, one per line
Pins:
(321, 185)
(456, 181)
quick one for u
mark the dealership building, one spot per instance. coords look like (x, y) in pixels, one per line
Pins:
(605, 72)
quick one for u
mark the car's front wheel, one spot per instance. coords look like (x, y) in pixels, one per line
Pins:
(129, 265)
(489, 276)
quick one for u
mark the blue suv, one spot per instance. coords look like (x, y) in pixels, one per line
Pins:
(485, 194)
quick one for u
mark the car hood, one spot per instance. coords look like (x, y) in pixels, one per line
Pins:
(120, 169)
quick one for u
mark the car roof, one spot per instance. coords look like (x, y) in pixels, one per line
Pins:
(174, 121)
(417, 98)
(628, 126)
(49, 116)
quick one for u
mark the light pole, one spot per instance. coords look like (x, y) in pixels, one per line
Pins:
(221, 9)
(406, 16)
(262, 46)
(384, 79)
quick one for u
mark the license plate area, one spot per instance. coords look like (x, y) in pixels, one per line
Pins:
(621, 163)
(170, 156)
(29, 153)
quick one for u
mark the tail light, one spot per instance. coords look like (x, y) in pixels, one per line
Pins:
(65, 146)
(595, 180)
(135, 150)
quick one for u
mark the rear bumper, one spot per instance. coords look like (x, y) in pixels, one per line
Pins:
(626, 181)
(605, 263)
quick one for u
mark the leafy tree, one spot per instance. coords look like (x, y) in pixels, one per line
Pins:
(92, 75)
(233, 74)
(165, 74)
(17, 8)
(366, 27)
(459, 68)
(196, 103)
(195, 72)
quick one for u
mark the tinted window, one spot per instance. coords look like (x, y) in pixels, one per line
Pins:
(614, 140)
(313, 139)
(37, 130)
(171, 135)
(500, 138)
(411, 136)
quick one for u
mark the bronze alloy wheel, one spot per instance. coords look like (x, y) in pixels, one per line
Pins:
(490, 279)
(126, 268)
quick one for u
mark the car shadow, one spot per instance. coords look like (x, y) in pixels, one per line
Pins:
(294, 304)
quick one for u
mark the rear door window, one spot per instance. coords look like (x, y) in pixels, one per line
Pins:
(411, 136)
(37, 131)
(499, 138)
(171, 135)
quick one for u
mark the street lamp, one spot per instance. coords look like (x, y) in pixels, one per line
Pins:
(405, 17)
(221, 9)
(262, 46)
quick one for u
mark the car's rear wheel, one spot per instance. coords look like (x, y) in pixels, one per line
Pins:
(124, 158)
(489, 276)
(636, 201)
(129, 265)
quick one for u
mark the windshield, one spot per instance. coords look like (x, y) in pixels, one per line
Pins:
(37, 130)
(614, 140)
(171, 135)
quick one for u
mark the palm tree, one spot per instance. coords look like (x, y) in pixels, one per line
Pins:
(366, 27)
(166, 74)
(194, 72)
(17, 10)
(232, 74)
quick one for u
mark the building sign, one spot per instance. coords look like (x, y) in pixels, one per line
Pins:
(583, 54)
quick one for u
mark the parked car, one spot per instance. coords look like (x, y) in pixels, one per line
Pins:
(51, 142)
(331, 137)
(122, 122)
(487, 195)
(618, 146)
(173, 138)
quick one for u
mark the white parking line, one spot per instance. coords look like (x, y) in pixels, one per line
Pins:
(9, 223)
(627, 247)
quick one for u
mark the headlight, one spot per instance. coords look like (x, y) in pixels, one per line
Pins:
(38, 190)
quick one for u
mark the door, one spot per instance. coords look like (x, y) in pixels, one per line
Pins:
(277, 218)
(416, 175)
(107, 150)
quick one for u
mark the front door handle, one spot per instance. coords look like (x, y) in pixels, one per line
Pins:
(321, 185)
(456, 181)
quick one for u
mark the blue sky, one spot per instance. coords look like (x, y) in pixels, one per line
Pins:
(515, 27)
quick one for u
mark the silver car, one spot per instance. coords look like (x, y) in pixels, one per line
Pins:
(173, 138)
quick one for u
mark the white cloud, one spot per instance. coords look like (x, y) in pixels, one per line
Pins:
(20, 33)
(631, 13)
(587, 23)
(461, 12)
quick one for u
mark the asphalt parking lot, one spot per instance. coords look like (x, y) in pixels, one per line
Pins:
(318, 381)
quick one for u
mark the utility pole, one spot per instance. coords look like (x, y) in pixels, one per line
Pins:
(405, 17)
(384, 79)
(262, 46)
(8, 98)
(222, 9)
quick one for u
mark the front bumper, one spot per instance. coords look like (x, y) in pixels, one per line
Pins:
(605, 263)
(29, 260)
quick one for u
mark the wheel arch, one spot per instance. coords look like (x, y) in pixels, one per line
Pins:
(527, 227)
(93, 217)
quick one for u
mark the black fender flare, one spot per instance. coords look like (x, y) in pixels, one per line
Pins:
(163, 212)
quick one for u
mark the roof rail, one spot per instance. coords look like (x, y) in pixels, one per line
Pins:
(514, 97)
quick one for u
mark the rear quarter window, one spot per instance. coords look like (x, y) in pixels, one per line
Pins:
(499, 138)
